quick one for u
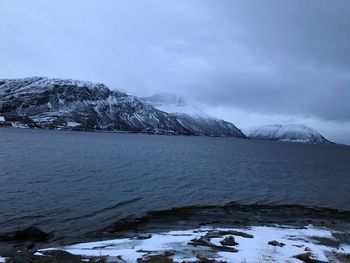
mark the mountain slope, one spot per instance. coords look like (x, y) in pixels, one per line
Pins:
(70, 104)
(192, 116)
(208, 126)
(286, 133)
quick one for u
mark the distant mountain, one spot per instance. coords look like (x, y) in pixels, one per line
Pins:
(79, 105)
(286, 133)
(192, 117)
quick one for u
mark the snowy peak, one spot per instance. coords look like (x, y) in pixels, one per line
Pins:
(286, 133)
(38, 84)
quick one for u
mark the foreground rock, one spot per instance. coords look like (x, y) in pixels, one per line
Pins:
(308, 258)
(205, 241)
(228, 241)
(205, 244)
(231, 233)
(55, 256)
(31, 233)
(275, 243)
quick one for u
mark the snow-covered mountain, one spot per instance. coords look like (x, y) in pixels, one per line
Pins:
(71, 104)
(192, 117)
(286, 133)
(40, 102)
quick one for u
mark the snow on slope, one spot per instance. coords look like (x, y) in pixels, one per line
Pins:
(286, 133)
(192, 116)
(81, 105)
(70, 104)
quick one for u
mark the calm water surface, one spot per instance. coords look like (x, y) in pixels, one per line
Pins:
(74, 182)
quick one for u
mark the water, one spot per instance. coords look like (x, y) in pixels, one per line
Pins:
(74, 182)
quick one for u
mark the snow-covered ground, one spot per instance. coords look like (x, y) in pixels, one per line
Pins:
(256, 249)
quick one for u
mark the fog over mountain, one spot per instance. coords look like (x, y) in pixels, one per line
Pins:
(248, 63)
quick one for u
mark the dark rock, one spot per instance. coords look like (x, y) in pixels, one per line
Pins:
(206, 260)
(307, 257)
(5, 238)
(156, 259)
(304, 256)
(63, 256)
(228, 241)
(33, 234)
(275, 243)
(143, 236)
(236, 233)
(31, 246)
(7, 250)
(299, 246)
(204, 241)
(20, 259)
(43, 259)
(342, 257)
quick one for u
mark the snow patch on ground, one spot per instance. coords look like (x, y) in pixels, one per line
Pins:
(297, 241)
(2, 260)
(73, 124)
(2, 118)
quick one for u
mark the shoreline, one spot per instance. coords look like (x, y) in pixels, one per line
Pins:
(333, 226)
(169, 134)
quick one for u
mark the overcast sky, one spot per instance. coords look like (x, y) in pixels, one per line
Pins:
(250, 62)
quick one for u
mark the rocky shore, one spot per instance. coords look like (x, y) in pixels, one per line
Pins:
(230, 233)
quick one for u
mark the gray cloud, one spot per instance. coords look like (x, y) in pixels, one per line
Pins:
(285, 57)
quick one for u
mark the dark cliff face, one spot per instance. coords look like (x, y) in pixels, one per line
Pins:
(69, 104)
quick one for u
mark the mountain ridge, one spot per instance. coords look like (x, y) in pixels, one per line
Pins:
(57, 104)
(67, 104)
(286, 133)
(52, 103)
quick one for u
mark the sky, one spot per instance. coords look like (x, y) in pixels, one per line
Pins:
(250, 62)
